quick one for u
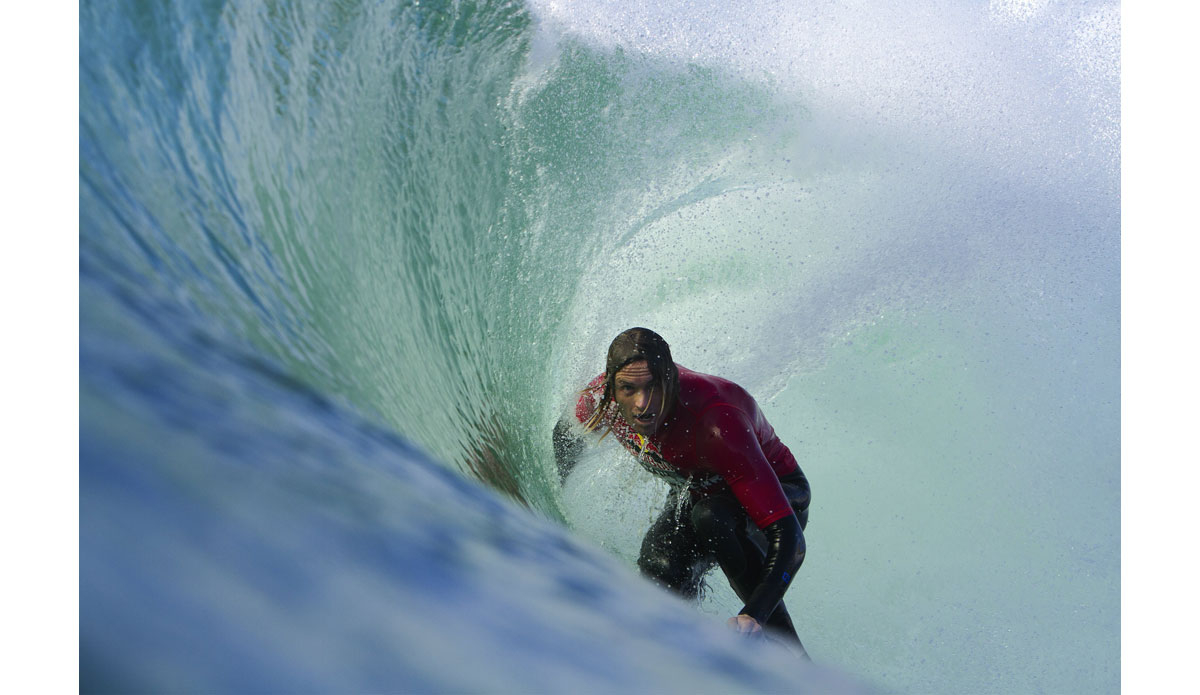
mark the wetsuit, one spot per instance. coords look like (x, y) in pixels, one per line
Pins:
(738, 497)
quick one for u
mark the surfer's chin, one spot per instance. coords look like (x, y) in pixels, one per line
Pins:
(645, 427)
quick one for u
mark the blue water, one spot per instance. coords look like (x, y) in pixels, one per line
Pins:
(343, 265)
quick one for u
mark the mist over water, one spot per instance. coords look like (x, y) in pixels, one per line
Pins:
(916, 270)
(325, 246)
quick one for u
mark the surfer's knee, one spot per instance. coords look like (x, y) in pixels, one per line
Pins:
(654, 564)
(716, 517)
(669, 571)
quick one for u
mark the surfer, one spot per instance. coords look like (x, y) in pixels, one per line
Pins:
(739, 499)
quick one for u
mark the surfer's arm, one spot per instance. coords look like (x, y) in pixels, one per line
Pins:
(567, 442)
(733, 451)
(566, 449)
(785, 554)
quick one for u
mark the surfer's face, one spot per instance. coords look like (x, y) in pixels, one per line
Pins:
(639, 397)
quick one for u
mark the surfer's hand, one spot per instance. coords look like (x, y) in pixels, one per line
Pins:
(744, 625)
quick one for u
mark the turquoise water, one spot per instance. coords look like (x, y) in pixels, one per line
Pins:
(342, 266)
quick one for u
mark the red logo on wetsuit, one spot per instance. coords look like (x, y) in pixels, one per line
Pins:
(643, 449)
(648, 455)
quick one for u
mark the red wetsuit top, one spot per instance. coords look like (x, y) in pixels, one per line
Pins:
(714, 438)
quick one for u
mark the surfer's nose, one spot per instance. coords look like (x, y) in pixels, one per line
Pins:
(642, 400)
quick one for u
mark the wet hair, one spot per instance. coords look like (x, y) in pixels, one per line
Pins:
(631, 346)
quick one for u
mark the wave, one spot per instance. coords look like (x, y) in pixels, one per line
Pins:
(316, 238)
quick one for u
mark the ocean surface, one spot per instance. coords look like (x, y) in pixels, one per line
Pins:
(342, 266)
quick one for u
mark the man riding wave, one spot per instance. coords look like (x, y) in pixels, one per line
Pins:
(745, 498)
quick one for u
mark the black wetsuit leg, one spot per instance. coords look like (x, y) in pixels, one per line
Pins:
(672, 554)
(724, 530)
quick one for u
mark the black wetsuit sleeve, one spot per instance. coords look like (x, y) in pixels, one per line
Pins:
(785, 554)
(566, 449)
